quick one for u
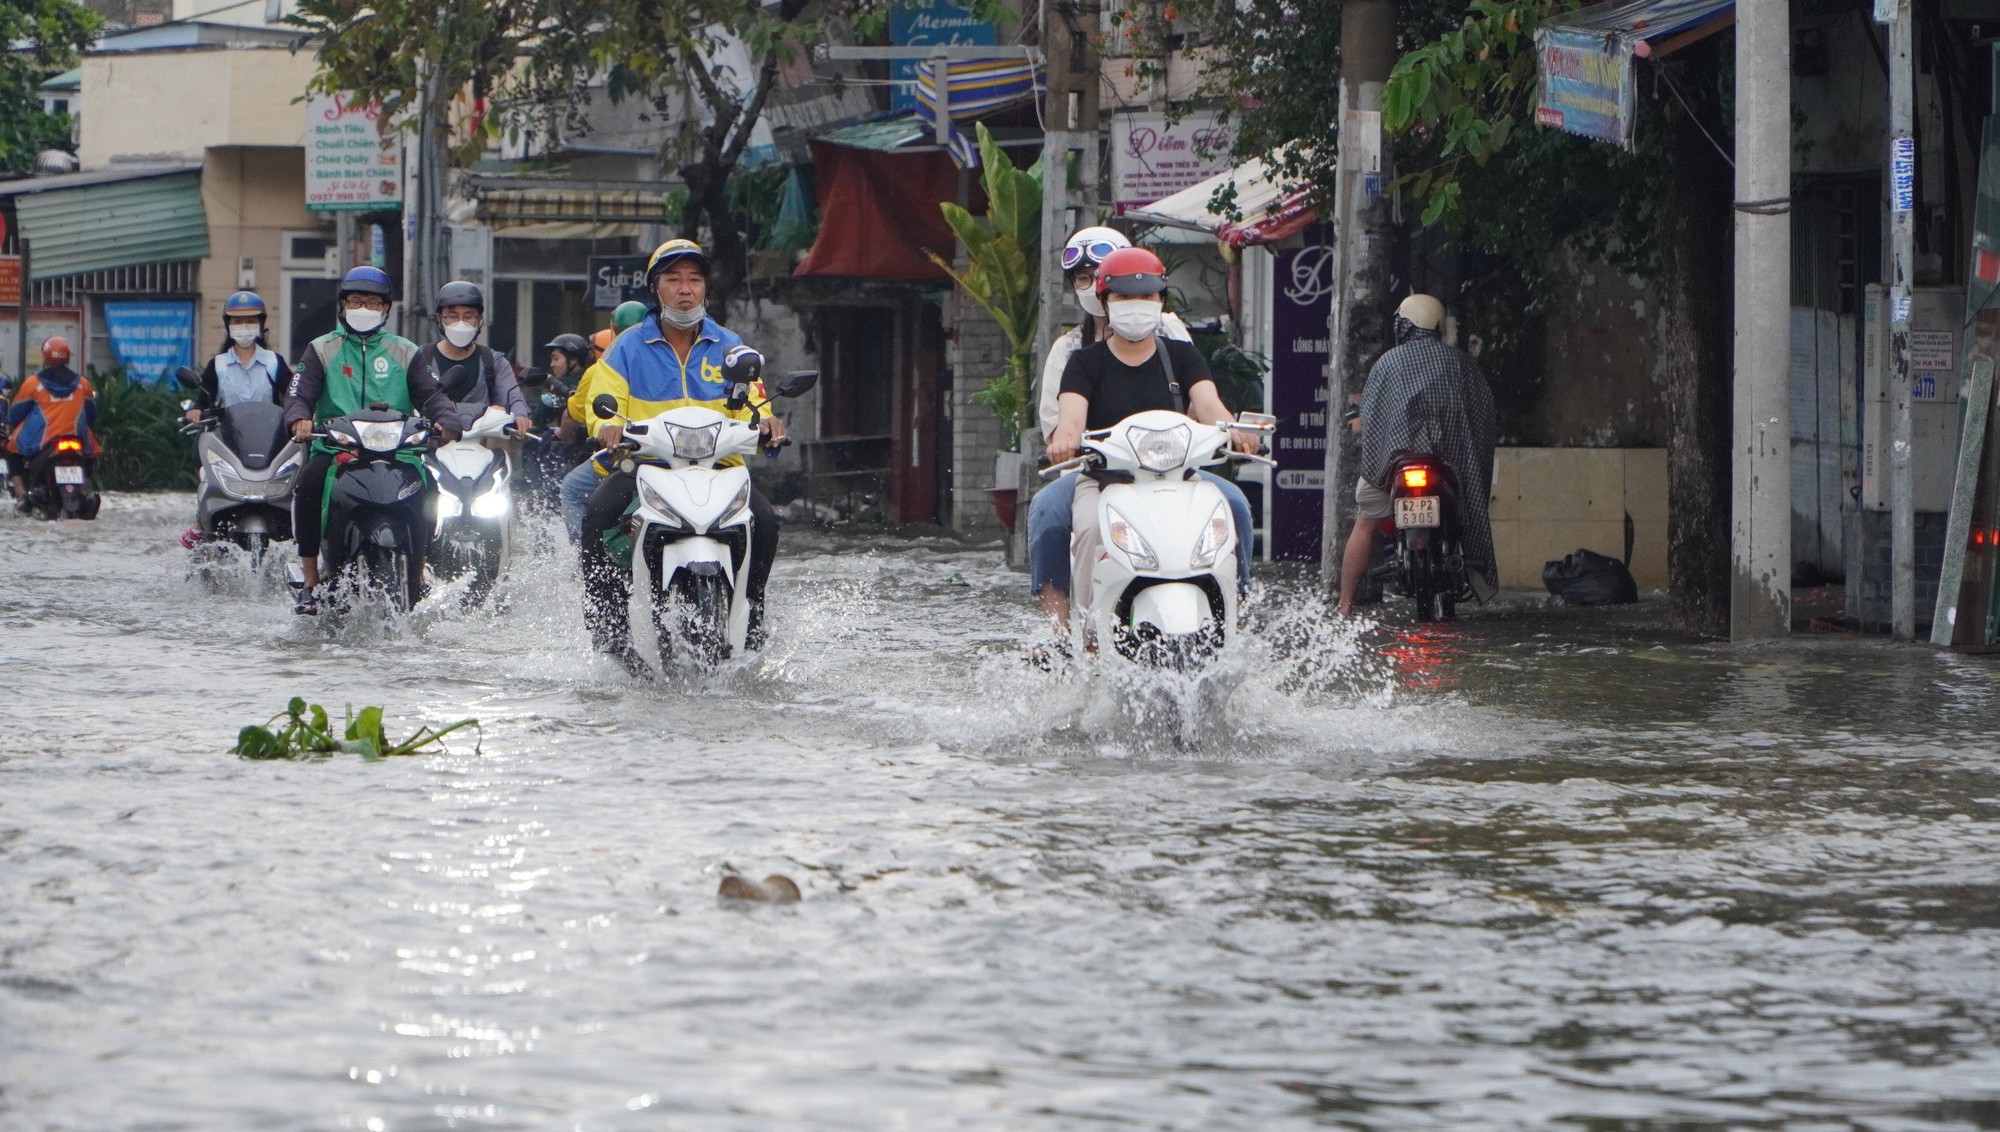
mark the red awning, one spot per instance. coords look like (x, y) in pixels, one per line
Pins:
(879, 213)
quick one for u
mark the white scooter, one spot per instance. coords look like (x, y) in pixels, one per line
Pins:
(690, 526)
(475, 502)
(1164, 593)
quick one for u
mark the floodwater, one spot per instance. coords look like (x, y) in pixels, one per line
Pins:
(1541, 869)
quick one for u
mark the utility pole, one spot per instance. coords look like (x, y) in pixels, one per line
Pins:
(1902, 211)
(1356, 325)
(1760, 604)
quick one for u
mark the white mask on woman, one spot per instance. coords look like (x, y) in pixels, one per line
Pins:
(460, 334)
(1135, 320)
(1089, 302)
(245, 336)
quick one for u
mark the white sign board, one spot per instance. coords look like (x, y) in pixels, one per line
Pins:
(352, 164)
(1152, 160)
(1933, 351)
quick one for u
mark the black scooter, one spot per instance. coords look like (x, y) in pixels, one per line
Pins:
(59, 481)
(375, 506)
(1421, 551)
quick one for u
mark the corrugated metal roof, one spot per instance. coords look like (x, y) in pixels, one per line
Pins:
(890, 133)
(154, 219)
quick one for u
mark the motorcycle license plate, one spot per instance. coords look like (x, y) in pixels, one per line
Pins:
(1417, 511)
(69, 474)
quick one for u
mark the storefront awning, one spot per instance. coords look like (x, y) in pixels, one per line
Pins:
(82, 222)
(879, 214)
(1271, 208)
(1585, 59)
(606, 209)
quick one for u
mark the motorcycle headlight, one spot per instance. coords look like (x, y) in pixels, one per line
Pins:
(448, 506)
(1162, 449)
(491, 505)
(1127, 538)
(654, 500)
(380, 436)
(414, 485)
(225, 477)
(694, 443)
(1214, 537)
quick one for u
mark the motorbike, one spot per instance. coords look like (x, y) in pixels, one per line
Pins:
(690, 523)
(475, 502)
(59, 481)
(1164, 594)
(1420, 551)
(249, 468)
(373, 505)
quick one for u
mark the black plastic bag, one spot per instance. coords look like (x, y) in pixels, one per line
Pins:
(1586, 577)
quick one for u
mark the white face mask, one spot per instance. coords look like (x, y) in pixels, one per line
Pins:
(1089, 302)
(683, 320)
(1135, 320)
(460, 334)
(361, 320)
(243, 335)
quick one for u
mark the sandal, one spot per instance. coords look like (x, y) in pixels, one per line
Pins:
(307, 604)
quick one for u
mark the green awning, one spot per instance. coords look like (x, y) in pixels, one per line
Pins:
(93, 221)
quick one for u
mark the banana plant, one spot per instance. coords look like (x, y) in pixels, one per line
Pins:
(1003, 256)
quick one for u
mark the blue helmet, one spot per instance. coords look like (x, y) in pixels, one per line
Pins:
(244, 302)
(367, 281)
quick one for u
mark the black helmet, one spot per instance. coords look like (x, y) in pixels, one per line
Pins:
(459, 293)
(571, 344)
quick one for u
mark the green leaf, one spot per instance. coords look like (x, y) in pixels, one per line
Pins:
(296, 708)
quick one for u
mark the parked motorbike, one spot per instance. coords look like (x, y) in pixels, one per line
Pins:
(475, 502)
(1420, 551)
(249, 468)
(690, 524)
(1164, 595)
(59, 481)
(373, 505)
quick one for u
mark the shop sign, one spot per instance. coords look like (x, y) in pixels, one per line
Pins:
(1153, 158)
(151, 339)
(352, 163)
(1301, 300)
(617, 279)
(1582, 87)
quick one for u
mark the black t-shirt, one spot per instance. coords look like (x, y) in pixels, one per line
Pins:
(1117, 390)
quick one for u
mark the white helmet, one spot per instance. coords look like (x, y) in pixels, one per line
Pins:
(1090, 246)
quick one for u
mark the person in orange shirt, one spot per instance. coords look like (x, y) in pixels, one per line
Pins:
(54, 403)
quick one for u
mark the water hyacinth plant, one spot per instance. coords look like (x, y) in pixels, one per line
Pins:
(308, 734)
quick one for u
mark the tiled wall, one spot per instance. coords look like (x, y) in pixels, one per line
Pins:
(1548, 502)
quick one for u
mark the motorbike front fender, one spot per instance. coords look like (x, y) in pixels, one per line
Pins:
(1176, 609)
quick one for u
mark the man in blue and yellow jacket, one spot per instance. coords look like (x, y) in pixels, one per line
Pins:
(673, 357)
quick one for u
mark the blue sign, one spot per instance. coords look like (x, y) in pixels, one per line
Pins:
(151, 339)
(1903, 173)
(1583, 87)
(930, 23)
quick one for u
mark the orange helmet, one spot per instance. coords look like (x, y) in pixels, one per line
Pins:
(1131, 271)
(56, 350)
(603, 340)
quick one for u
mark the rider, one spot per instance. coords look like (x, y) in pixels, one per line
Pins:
(1424, 397)
(547, 391)
(344, 371)
(489, 376)
(583, 479)
(1049, 512)
(1107, 381)
(244, 369)
(54, 402)
(673, 358)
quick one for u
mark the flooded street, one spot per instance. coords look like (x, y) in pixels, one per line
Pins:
(1544, 868)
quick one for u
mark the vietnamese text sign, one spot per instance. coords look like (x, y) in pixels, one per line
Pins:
(1933, 351)
(10, 281)
(1584, 88)
(930, 23)
(151, 339)
(352, 165)
(1301, 300)
(617, 279)
(1152, 159)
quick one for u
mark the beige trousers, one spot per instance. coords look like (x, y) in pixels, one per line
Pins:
(1086, 544)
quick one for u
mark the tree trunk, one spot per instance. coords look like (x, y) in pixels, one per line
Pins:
(708, 206)
(1695, 344)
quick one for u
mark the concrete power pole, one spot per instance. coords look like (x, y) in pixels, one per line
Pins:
(1902, 210)
(1355, 327)
(1760, 604)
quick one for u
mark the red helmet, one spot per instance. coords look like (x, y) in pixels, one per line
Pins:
(1131, 271)
(56, 350)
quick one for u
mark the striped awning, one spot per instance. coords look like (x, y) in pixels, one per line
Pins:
(1271, 207)
(977, 88)
(85, 222)
(506, 208)
(1637, 26)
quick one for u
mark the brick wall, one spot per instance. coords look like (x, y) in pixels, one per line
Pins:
(976, 351)
(1870, 578)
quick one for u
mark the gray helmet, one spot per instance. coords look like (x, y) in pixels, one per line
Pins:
(459, 293)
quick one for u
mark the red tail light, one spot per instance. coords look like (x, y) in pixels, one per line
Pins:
(69, 444)
(1416, 477)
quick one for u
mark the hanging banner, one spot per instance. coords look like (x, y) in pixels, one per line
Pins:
(1583, 87)
(151, 339)
(930, 23)
(1301, 301)
(1152, 159)
(352, 165)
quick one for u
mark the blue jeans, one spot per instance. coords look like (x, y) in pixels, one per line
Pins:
(576, 488)
(1048, 532)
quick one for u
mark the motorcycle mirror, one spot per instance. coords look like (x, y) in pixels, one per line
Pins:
(186, 405)
(605, 406)
(796, 382)
(457, 382)
(187, 377)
